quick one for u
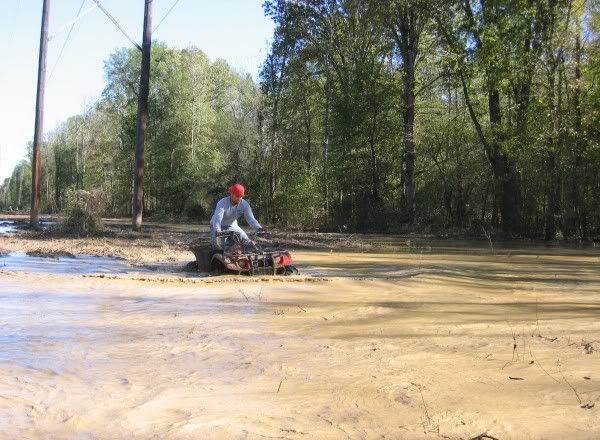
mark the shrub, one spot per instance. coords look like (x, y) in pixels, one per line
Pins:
(83, 212)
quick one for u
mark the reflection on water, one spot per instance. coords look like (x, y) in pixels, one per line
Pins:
(7, 227)
(40, 332)
(10, 226)
(82, 264)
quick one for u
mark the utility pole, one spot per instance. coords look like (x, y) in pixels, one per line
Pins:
(36, 168)
(142, 115)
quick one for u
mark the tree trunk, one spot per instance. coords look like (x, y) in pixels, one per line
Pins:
(576, 214)
(374, 170)
(20, 188)
(407, 29)
(551, 140)
(505, 187)
(307, 126)
(326, 145)
(408, 118)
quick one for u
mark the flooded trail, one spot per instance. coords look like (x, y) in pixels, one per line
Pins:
(393, 345)
(71, 264)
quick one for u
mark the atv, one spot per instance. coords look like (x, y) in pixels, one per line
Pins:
(230, 254)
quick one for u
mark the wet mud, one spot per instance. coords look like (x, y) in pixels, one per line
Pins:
(437, 341)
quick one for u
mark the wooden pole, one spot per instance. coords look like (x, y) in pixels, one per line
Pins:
(36, 161)
(138, 173)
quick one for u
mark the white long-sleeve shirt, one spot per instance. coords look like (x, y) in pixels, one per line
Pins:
(227, 214)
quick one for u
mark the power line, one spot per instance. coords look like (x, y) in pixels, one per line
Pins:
(116, 23)
(166, 15)
(65, 43)
(86, 12)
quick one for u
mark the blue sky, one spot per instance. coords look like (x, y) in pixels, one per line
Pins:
(234, 30)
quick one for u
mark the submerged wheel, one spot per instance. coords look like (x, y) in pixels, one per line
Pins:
(216, 267)
(192, 266)
(291, 270)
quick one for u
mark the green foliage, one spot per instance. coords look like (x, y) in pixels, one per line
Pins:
(200, 137)
(505, 123)
(300, 201)
(16, 190)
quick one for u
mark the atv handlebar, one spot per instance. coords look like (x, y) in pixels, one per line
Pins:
(225, 234)
(259, 233)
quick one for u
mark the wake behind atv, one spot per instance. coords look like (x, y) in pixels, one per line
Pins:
(232, 255)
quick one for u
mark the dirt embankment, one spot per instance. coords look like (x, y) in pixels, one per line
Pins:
(169, 243)
(157, 243)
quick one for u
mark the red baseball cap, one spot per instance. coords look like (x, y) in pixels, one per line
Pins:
(237, 190)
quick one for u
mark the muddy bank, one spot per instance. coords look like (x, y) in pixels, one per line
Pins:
(156, 244)
(167, 244)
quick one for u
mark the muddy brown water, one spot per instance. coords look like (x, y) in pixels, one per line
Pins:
(424, 343)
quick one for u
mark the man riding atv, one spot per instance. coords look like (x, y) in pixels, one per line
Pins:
(231, 251)
(228, 210)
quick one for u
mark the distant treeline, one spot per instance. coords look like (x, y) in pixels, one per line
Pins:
(395, 115)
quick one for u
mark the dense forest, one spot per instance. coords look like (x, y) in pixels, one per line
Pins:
(368, 115)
